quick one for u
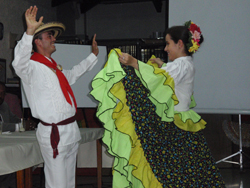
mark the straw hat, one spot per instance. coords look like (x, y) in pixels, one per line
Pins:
(57, 27)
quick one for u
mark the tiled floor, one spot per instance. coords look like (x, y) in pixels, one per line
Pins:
(233, 178)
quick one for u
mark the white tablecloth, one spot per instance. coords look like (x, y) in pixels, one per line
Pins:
(87, 157)
(20, 150)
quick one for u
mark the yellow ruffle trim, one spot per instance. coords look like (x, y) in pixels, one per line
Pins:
(189, 124)
(124, 123)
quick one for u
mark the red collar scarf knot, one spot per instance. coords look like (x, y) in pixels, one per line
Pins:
(66, 89)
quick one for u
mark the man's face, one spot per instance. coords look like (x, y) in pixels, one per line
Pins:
(48, 43)
(2, 94)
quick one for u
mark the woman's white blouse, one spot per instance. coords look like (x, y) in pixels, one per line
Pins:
(182, 70)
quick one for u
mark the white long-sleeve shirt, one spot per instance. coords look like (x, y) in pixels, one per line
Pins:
(182, 71)
(44, 93)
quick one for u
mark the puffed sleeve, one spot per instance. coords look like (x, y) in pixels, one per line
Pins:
(177, 70)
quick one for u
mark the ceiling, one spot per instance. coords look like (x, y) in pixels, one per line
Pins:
(86, 5)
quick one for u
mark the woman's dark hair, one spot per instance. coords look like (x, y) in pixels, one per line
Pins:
(181, 33)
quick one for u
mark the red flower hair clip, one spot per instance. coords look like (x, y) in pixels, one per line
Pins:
(194, 36)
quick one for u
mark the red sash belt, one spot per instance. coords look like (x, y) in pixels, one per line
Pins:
(54, 136)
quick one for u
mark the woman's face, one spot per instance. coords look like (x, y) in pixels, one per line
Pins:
(171, 48)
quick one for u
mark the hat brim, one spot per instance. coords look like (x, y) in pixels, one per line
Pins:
(57, 27)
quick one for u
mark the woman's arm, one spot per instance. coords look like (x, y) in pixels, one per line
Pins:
(128, 60)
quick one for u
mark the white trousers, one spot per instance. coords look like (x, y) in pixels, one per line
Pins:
(60, 172)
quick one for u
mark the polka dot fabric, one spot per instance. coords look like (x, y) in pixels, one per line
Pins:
(178, 158)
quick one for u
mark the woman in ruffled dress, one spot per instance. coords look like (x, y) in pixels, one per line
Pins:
(150, 129)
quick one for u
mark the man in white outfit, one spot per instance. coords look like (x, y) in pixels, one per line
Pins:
(50, 97)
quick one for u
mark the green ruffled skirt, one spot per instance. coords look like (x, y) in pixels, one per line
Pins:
(149, 151)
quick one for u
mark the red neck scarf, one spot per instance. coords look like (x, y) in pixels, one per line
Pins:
(66, 89)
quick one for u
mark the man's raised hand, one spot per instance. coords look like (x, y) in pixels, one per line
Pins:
(95, 49)
(30, 17)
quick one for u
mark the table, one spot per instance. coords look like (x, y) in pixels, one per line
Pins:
(86, 157)
(20, 151)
